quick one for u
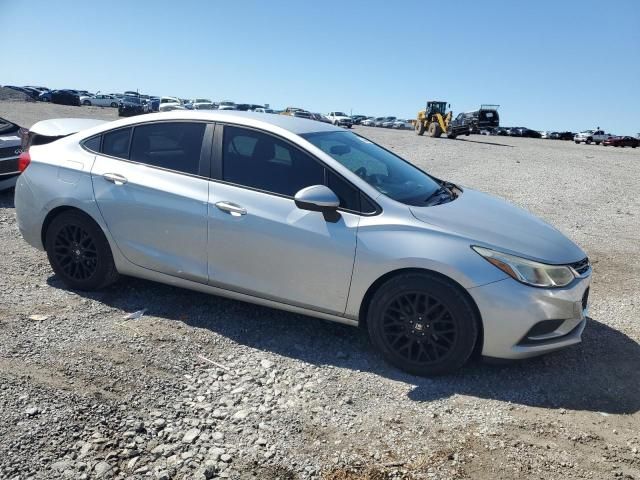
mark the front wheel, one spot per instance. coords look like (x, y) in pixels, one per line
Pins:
(577, 142)
(434, 130)
(79, 253)
(419, 127)
(86, 103)
(422, 324)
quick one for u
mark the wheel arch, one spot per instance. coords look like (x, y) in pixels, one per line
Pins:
(375, 286)
(56, 212)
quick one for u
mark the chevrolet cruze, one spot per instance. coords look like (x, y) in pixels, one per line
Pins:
(306, 217)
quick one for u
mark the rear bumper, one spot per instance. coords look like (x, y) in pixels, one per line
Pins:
(28, 216)
(511, 310)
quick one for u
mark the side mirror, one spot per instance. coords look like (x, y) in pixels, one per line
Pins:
(317, 198)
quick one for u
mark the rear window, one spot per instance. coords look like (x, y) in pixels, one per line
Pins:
(93, 143)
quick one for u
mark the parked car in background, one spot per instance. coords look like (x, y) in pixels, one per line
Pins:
(132, 105)
(566, 136)
(226, 105)
(170, 103)
(320, 117)
(379, 121)
(588, 136)
(154, 104)
(200, 104)
(302, 114)
(401, 124)
(263, 110)
(45, 96)
(357, 119)
(65, 97)
(340, 119)
(309, 218)
(99, 100)
(368, 122)
(11, 135)
(621, 142)
(525, 132)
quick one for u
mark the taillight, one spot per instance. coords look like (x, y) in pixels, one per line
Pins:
(23, 161)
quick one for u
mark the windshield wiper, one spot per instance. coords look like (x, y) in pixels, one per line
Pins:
(438, 194)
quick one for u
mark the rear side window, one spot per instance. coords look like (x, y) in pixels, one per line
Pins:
(171, 145)
(116, 143)
(93, 143)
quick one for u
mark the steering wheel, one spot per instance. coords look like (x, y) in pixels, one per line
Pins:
(361, 172)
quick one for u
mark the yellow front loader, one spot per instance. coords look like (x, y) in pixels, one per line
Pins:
(434, 119)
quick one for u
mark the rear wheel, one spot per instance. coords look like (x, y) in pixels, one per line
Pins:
(577, 142)
(419, 127)
(422, 324)
(114, 104)
(79, 252)
(588, 141)
(435, 130)
(87, 103)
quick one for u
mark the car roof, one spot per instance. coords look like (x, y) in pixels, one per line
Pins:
(267, 121)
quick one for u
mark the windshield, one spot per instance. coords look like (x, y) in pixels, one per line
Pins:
(340, 114)
(384, 171)
(131, 99)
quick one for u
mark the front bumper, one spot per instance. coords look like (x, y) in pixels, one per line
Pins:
(511, 310)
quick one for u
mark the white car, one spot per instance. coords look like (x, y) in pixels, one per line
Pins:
(201, 104)
(368, 122)
(340, 119)
(170, 103)
(99, 100)
(401, 125)
(263, 110)
(595, 136)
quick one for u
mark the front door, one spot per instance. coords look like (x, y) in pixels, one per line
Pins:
(260, 242)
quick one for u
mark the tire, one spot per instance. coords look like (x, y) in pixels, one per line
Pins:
(86, 103)
(597, 143)
(451, 136)
(419, 128)
(434, 130)
(79, 253)
(588, 141)
(114, 105)
(422, 324)
(577, 142)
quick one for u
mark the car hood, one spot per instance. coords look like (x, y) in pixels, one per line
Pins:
(493, 223)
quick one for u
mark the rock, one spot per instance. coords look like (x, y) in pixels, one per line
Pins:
(32, 412)
(217, 436)
(215, 453)
(62, 465)
(266, 364)
(102, 469)
(159, 423)
(162, 475)
(191, 435)
(241, 414)
(226, 458)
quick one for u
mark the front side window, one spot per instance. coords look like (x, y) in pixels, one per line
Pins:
(171, 145)
(384, 171)
(257, 160)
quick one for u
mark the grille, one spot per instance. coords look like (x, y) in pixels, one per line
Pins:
(581, 267)
(585, 299)
(8, 166)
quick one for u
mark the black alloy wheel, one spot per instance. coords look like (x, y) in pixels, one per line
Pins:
(78, 251)
(423, 323)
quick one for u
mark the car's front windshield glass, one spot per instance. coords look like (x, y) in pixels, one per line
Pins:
(384, 171)
(340, 114)
(132, 99)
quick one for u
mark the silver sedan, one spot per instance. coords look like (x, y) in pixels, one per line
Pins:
(306, 217)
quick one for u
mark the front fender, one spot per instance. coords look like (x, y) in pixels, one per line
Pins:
(381, 250)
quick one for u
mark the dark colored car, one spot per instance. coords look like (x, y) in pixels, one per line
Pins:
(131, 105)
(11, 138)
(44, 97)
(621, 142)
(472, 122)
(566, 135)
(357, 119)
(66, 97)
(527, 132)
(302, 114)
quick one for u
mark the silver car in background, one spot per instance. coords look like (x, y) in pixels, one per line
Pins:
(307, 217)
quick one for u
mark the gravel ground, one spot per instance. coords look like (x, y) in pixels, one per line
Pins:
(204, 387)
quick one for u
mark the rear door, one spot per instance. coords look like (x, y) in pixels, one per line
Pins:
(151, 185)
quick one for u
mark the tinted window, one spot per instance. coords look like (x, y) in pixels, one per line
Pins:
(349, 195)
(116, 143)
(171, 145)
(93, 143)
(261, 161)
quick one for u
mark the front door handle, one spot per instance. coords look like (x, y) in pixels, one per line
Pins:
(115, 178)
(231, 208)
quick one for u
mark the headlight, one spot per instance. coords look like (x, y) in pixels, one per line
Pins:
(527, 271)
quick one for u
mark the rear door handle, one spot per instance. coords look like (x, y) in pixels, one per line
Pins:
(115, 178)
(231, 208)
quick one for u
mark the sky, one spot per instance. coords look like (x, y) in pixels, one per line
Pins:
(550, 65)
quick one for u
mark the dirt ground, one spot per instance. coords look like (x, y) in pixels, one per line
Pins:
(205, 387)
